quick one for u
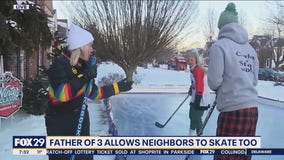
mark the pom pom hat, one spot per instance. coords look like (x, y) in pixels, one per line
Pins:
(78, 37)
(229, 15)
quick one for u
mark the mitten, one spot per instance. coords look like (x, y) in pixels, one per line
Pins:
(197, 100)
(92, 61)
(124, 85)
(90, 71)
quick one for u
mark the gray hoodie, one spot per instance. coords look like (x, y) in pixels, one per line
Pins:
(233, 69)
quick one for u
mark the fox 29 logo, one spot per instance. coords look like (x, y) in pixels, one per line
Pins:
(29, 142)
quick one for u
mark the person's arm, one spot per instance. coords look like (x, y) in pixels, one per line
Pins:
(110, 90)
(63, 89)
(198, 75)
(215, 67)
(199, 83)
(255, 71)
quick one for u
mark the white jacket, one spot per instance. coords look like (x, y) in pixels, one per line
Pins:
(206, 99)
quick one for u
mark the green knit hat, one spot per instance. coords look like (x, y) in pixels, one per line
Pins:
(229, 15)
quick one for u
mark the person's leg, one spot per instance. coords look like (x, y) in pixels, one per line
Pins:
(66, 125)
(59, 125)
(237, 123)
(85, 132)
(199, 115)
(195, 116)
(253, 122)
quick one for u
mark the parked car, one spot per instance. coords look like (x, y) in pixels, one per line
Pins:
(177, 63)
(272, 74)
(262, 74)
(144, 65)
(279, 77)
(269, 74)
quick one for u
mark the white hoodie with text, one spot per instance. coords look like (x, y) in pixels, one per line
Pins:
(233, 69)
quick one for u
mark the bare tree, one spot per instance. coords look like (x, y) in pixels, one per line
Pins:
(276, 20)
(130, 32)
(276, 13)
(242, 18)
(210, 24)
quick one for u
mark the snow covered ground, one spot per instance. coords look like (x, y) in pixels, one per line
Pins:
(135, 114)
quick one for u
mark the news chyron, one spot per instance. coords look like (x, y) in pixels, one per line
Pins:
(164, 145)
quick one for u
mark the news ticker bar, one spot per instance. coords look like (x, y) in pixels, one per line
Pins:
(148, 152)
(134, 143)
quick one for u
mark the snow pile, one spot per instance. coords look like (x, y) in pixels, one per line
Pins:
(161, 78)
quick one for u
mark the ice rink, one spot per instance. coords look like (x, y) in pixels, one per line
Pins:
(136, 114)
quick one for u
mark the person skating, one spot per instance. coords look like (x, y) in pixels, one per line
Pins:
(199, 92)
(233, 74)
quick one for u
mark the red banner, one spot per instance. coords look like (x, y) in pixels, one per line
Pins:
(10, 94)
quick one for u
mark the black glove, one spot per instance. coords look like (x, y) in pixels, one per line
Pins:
(124, 85)
(197, 100)
(190, 91)
(90, 72)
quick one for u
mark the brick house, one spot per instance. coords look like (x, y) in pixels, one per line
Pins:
(269, 49)
(264, 49)
(24, 67)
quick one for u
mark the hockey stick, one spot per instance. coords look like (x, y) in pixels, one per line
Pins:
(159, 125)
(207, 118)
(112, 129)
(82, 113)
(205, 122)
(84, 106)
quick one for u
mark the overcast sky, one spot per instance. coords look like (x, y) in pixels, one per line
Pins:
(254, 12)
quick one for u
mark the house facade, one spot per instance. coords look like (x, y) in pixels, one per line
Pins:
(28, 67)
(270, 51)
